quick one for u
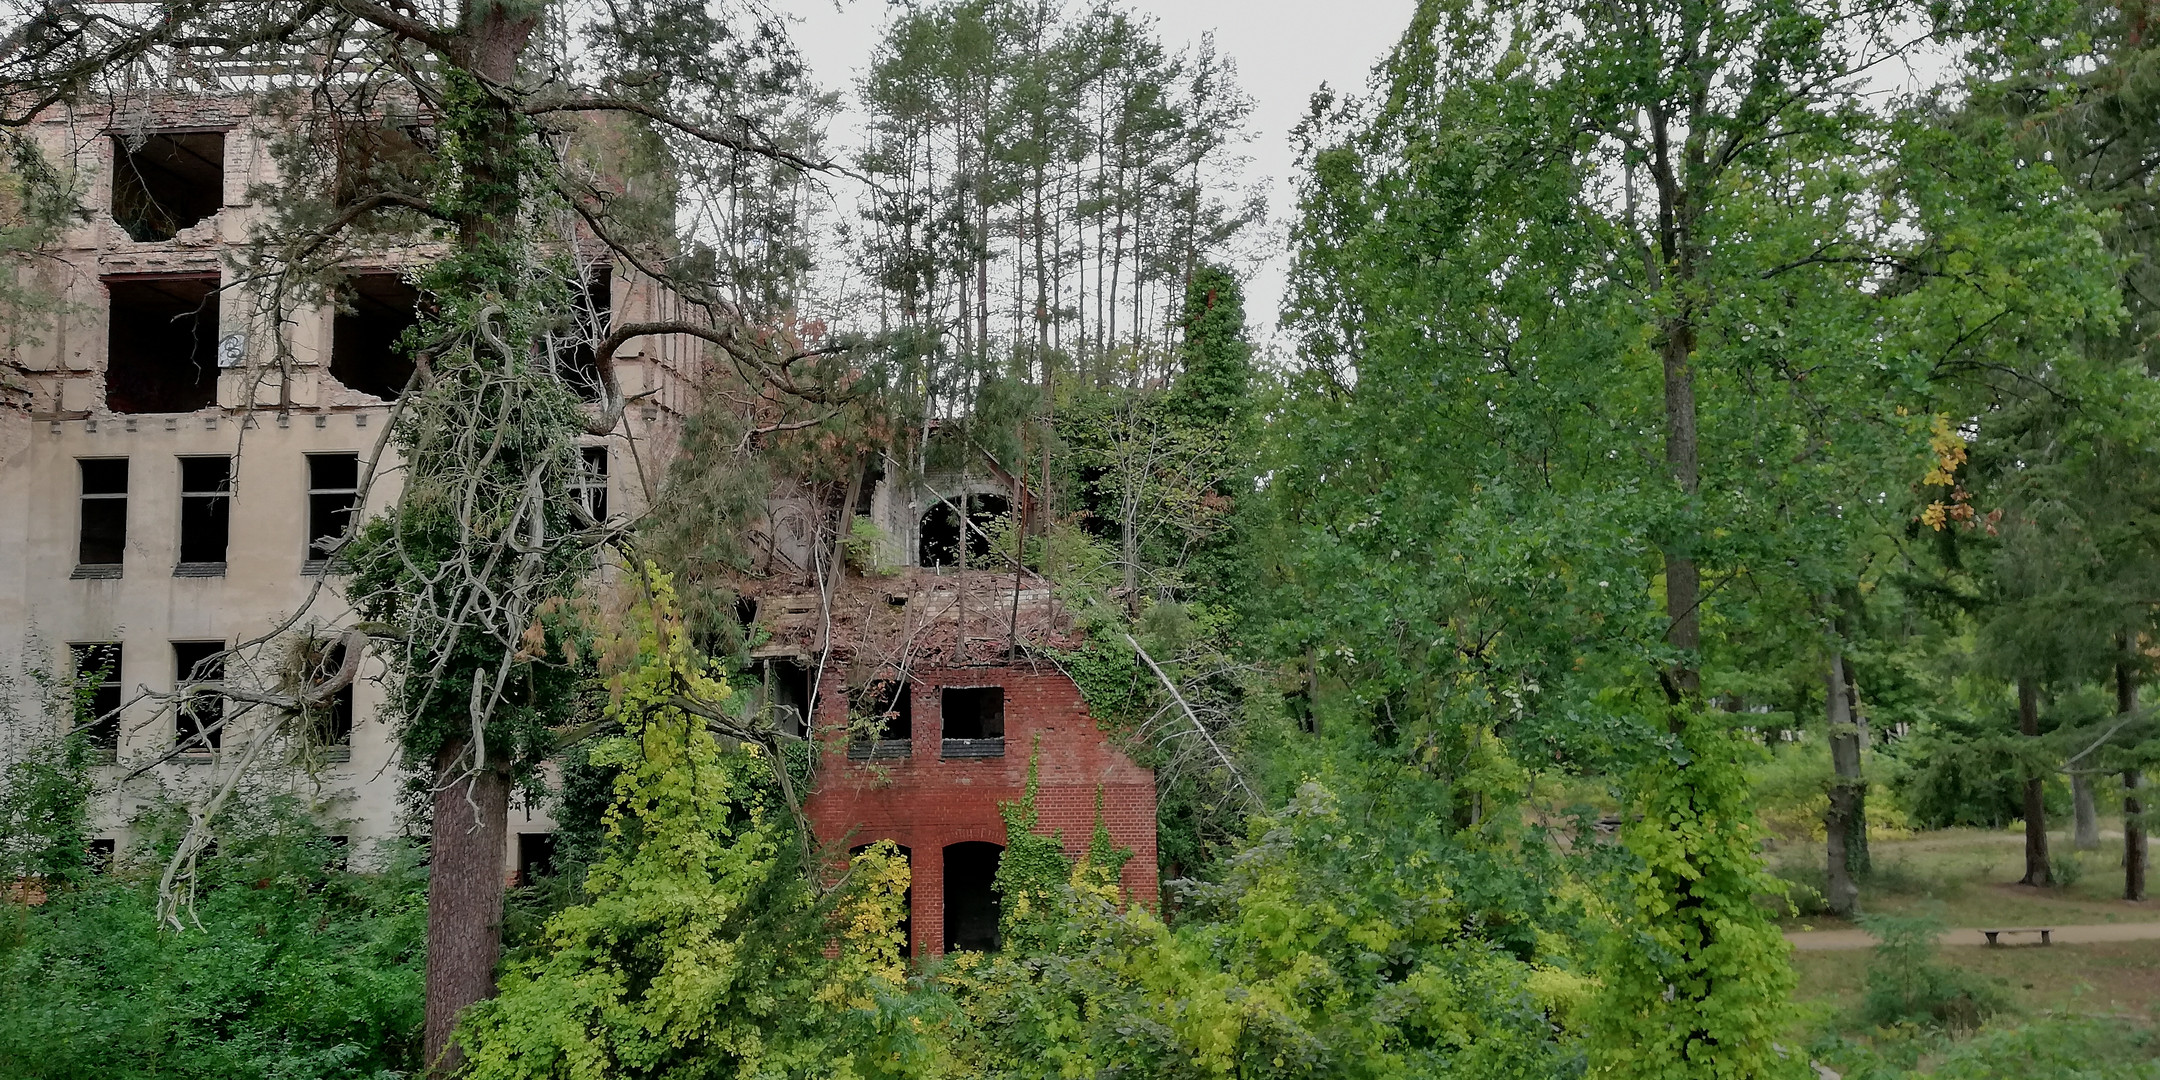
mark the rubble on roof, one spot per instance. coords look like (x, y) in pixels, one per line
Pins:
(916, 616)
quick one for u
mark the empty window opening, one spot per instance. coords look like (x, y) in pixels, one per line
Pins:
(881, 719)
(205, 513)
(787, 696)
(340, 851)
(103, 536)
(536, 857)
(161, 353)
(102, 851)
(97, 694)
(329, 724)
(939, 543)
(373, 312)
(196, 722)
(589, 491)
(333, 495)
(378, 158)
(166, 182)
(971, 901)
(974, 721)
(907, 898)
(577, 352)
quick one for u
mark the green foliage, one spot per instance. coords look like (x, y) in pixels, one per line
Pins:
(700, 950)
(45, 812)
(1697, 981)
(1908, 984)
(292, 967)
(1327, 950)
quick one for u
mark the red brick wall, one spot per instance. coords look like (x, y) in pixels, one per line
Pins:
(925, 803)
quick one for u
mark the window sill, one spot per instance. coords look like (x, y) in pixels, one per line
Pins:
(102, 755)
(337, 755)
(881, 750)
(199, 570)
(974, 748)
(96, 572)
(320, 567)
(196, 757)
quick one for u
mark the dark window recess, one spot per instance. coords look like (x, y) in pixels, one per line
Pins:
(939, 543)
(167, 182)
(104, 512)
(97, 693)
(787, 692)
(536, 856)
(577, 352)
(971, 902)
(375, 158)
(888, 703)
(907, 898)
(162, 347)
(974, 712)
(196, 720)
(589, 491)
(340, 849)
(330, 724)
(373, 312)
(333, 494)
(205, 510)
(102, 851)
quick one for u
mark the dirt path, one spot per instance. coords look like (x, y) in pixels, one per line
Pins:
(1828, 940)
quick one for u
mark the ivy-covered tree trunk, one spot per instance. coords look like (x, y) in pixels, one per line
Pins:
(2036, 841)
(472, 785)
(1847, 813)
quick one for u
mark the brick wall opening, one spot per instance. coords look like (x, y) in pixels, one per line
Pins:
(938, 542)
(166, 182)
(974, 721)
(971, 901)
(161, 353)
(374, 157)
(890, 708)
(787, 695)
(907, 898)
(373, 311)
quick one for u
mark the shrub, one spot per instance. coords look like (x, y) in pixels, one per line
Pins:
(288, 967)
(1907, 985)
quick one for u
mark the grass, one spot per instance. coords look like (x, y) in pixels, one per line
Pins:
(1970, 876)
(2117, 978)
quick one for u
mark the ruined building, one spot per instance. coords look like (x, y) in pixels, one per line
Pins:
(166, 494)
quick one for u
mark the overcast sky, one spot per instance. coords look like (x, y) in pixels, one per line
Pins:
(1284, 51)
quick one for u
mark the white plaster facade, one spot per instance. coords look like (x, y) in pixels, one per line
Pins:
(58, 414)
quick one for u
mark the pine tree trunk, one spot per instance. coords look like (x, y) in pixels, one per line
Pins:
(465, 898)
(472, 803)
(1847, 812)
(2134, 856)
(2085, 834)
(2036, 841)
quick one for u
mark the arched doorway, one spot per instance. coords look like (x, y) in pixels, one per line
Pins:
(971, 902)
(907, 898)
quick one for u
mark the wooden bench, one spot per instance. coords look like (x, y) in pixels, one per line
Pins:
(2046, 933)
